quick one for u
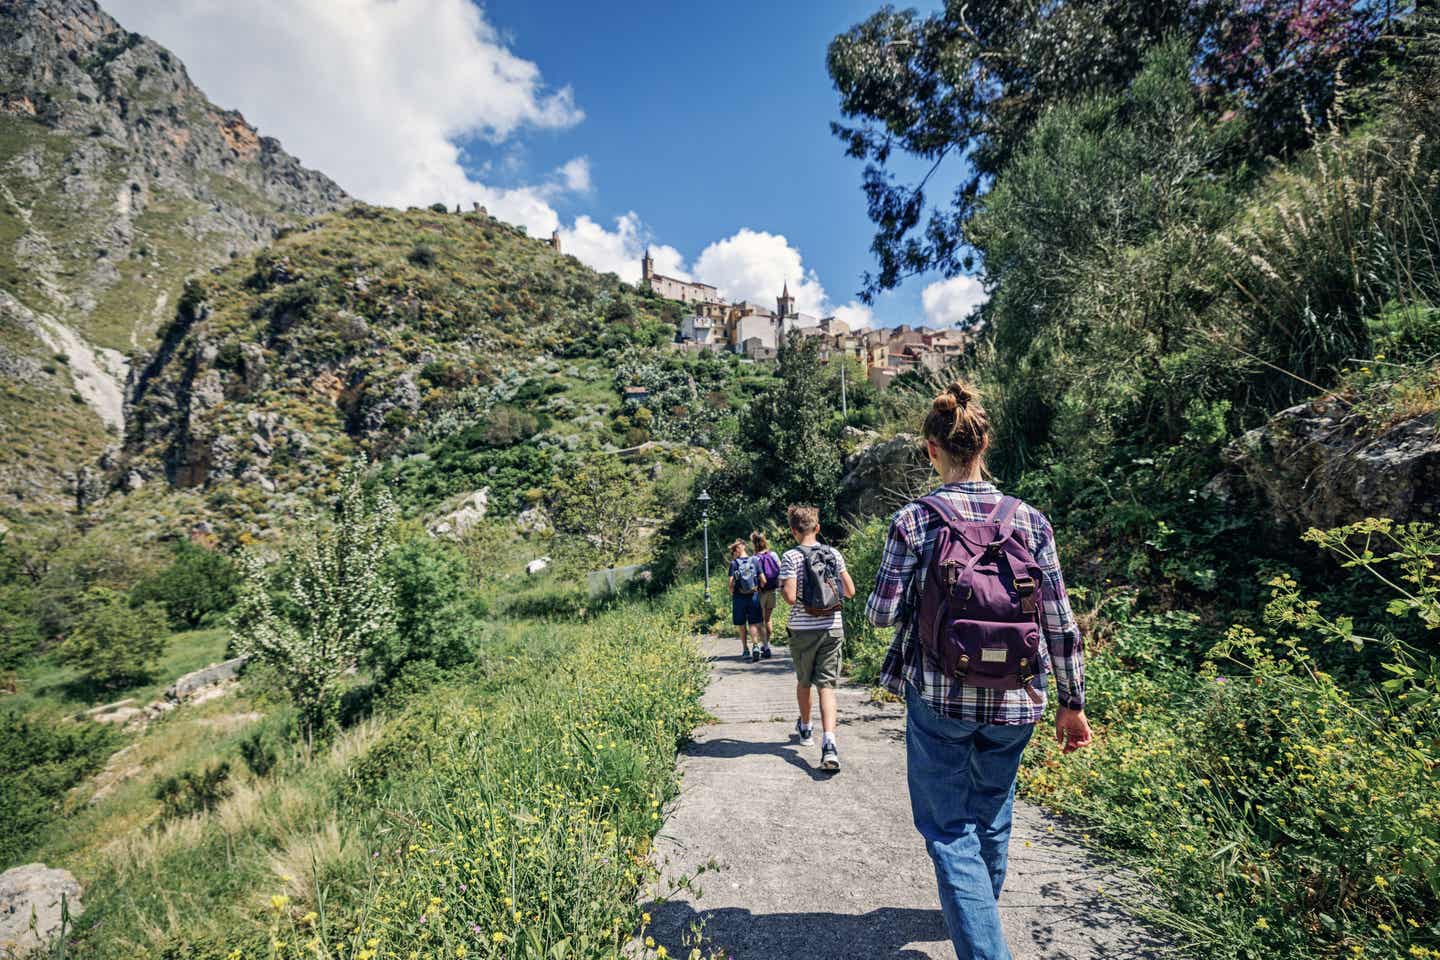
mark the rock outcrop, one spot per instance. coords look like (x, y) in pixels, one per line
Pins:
(217, 673)
(882, 475)
(1320, 465)
(457, 523)
(36, 892)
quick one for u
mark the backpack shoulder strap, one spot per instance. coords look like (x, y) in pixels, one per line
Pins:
(942, 509)
(1004, 515)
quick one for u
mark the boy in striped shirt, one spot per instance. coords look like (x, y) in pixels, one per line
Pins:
(815, 638)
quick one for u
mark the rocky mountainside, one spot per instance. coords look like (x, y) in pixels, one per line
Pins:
(453, 347)
(118, 178)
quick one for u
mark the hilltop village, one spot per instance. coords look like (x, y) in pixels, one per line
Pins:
(756, 331)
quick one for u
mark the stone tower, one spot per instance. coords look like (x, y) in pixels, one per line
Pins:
(647, 267)
(785, 303)
(555, 240)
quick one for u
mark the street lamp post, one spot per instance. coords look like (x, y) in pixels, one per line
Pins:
(704, 500)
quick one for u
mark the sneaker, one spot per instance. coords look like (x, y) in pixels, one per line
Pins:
(765, 653)
(745, 654)
(806, 735)
(755, 656)
(830, 758)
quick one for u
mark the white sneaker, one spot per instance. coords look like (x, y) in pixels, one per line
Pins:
(806, 735)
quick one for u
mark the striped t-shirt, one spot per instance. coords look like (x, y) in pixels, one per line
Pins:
(791, 566)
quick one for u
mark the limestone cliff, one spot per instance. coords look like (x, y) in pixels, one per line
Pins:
(118, 178)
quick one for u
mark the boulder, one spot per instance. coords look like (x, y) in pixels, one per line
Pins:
(37, 891)
(457, 523)
(533, 520)
(538, 565)
(1319, 464)
(880, 476)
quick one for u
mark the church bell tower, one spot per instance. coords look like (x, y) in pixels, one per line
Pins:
(785, 303)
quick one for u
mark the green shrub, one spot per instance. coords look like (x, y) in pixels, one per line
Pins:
(195, 588)
(339, 605)
(66, 566)
(437, 617)
(39, 763)
(259, 754)
(865, 646)
(422, 255)
(191, 793)
(113, 643)
(1281, 812)
(19, 626)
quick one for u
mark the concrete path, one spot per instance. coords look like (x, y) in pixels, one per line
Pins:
(818, 866)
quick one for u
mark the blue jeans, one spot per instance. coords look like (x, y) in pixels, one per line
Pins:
(962, 793)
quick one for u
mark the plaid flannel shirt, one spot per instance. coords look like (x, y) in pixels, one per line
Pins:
(891, 603)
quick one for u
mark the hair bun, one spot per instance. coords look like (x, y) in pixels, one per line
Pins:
(944, 403)
(963, 393)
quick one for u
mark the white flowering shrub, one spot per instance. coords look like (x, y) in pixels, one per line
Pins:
(340, 603)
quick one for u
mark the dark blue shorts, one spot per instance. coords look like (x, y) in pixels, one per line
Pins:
(745, 608)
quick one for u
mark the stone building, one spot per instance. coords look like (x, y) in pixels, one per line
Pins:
(698, 328)
(686, 291)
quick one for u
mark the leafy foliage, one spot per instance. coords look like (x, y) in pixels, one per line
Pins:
(600, 507)
(113, 643)
(789, 433)
(972, 80)
(340, 604)
(39, 762)
(1319, 794)
(437, 617)
(191, 792)
(198, 585)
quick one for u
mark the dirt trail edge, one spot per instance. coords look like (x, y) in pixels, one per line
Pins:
(818, 867)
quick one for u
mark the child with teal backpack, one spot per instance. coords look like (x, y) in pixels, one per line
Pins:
(746, 582)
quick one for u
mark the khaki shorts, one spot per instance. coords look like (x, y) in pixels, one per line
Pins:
(767, 601)
(817, 656)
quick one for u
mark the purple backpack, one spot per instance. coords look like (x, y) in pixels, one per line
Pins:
(979, 609)
(769, 568)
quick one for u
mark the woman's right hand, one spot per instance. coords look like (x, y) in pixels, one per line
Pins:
(1072, 729)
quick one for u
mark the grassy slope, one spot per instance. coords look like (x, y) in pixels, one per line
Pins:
(561, 738)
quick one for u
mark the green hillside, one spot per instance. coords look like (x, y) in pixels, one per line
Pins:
(451, 348)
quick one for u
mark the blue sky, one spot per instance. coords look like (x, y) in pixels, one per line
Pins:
(701, 130)
(747, 96)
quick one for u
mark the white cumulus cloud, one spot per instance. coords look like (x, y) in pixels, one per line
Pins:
(855, 315)
(755, 265)
(948, 302)
(575, 175)
(619, 251)
(372, 92)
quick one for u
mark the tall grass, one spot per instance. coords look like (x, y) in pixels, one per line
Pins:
(506, 811)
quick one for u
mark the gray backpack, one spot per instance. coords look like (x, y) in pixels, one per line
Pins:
(747, 575)
(820, 589)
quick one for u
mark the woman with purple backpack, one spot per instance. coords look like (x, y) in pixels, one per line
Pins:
(971, 580)
(769, 563)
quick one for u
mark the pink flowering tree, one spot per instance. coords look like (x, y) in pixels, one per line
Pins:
(1282, 61)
